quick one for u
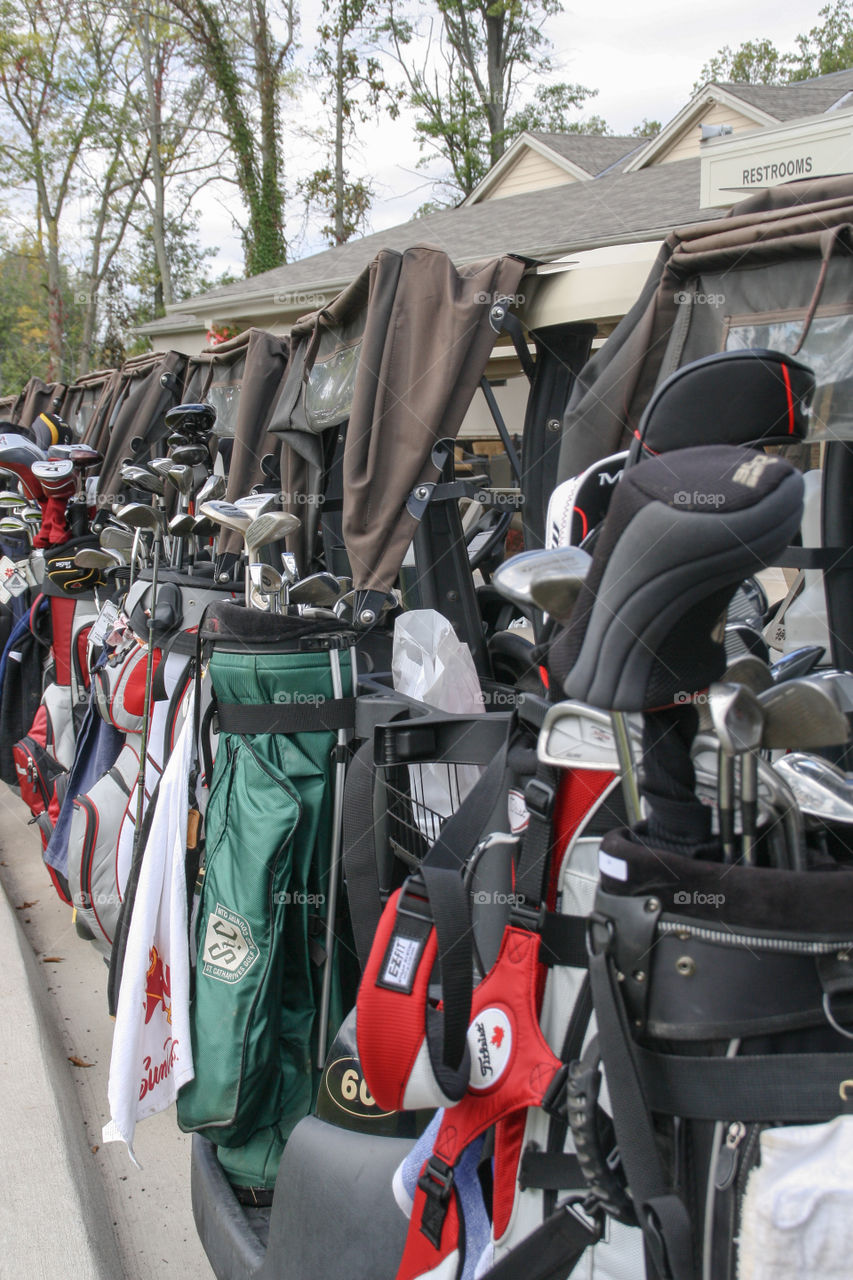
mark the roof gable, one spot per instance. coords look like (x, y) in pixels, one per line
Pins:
(709, 97)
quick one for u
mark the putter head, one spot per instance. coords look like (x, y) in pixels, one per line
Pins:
(212, 490)
(270, 526)
(802, 714)
(820, 788)
(226, 514)
(136, 515)
(515, 577)
(737, 717)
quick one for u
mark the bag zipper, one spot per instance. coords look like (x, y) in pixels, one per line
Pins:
(756, 942)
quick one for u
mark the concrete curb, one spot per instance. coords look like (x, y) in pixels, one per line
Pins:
(54, 1217)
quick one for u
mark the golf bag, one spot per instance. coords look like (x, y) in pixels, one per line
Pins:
(261, 910)
(724, 999)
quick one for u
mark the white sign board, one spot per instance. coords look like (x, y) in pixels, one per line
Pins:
(736, 165)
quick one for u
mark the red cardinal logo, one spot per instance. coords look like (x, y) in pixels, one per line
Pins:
(497, 1037)
(157, 987)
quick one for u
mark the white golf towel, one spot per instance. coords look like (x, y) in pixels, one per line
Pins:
(151, 1054)
(798, 1209)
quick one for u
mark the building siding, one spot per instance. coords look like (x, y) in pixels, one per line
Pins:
(531, 172)
(687, 144)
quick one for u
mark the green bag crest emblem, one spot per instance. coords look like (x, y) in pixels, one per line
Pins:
(229, 949)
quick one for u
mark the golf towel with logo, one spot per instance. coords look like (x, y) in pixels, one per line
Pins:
(261, 908)
(151, 1056)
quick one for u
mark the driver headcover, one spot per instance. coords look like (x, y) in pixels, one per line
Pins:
(681, 533)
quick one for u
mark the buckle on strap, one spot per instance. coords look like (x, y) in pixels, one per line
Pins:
(436, 1182)
(539, 797)
(556, 1098)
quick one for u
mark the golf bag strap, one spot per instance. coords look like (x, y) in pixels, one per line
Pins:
(158, 685)
(549, 1171)
(441, 871)
(364, 892)
(660, 1212)
(799, 1087)
(531, 877)
(550, 1252)
(570, 1052)
(119, 947)
(327, 716)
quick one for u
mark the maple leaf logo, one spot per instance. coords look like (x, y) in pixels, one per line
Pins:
(497, 1037)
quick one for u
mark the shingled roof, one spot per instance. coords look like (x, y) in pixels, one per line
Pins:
(536, 224)
(799, 98)
(593, 152)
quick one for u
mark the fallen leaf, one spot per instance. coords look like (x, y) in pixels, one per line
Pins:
(52, 959)
(95, 1148)
(25, 906)
(79, 1062)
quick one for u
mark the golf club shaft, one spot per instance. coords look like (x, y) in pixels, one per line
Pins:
(146, 709)
(630, 789)
(334, 865)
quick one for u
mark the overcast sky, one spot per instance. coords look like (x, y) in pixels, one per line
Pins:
(642, 58)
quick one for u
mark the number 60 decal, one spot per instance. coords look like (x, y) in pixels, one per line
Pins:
(348, 1089)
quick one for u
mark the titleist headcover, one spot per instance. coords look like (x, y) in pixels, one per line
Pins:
(682, 532)
(751, 397)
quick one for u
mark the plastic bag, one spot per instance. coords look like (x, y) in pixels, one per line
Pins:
(431, 664)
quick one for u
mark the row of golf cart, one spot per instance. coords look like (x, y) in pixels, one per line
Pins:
(486, 914)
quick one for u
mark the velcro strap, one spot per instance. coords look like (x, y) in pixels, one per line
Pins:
(329, 715)
(563, 941)
(550, 1171)
(794, 1087)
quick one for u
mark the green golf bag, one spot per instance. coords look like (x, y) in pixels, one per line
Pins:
(283, 699)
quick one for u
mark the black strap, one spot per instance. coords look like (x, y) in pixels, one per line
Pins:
(572, 1048)
(815, 558)
(550, 1252)
(661, 1213)
(550, 1171)
(326, 715)
(563, 942)
(531, 877)
(441, 871)
(359, 856)
(771, 1088)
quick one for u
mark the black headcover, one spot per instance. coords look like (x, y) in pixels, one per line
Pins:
(751, 397)
(682, 533)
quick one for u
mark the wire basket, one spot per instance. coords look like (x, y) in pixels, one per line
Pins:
(413, 824)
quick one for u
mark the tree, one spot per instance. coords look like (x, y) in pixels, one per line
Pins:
(550, 111)
(24, 336)
(353, 85)
(827, 47)
(753, 62)
(467, 81)
(53, 64)
(246, 63)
